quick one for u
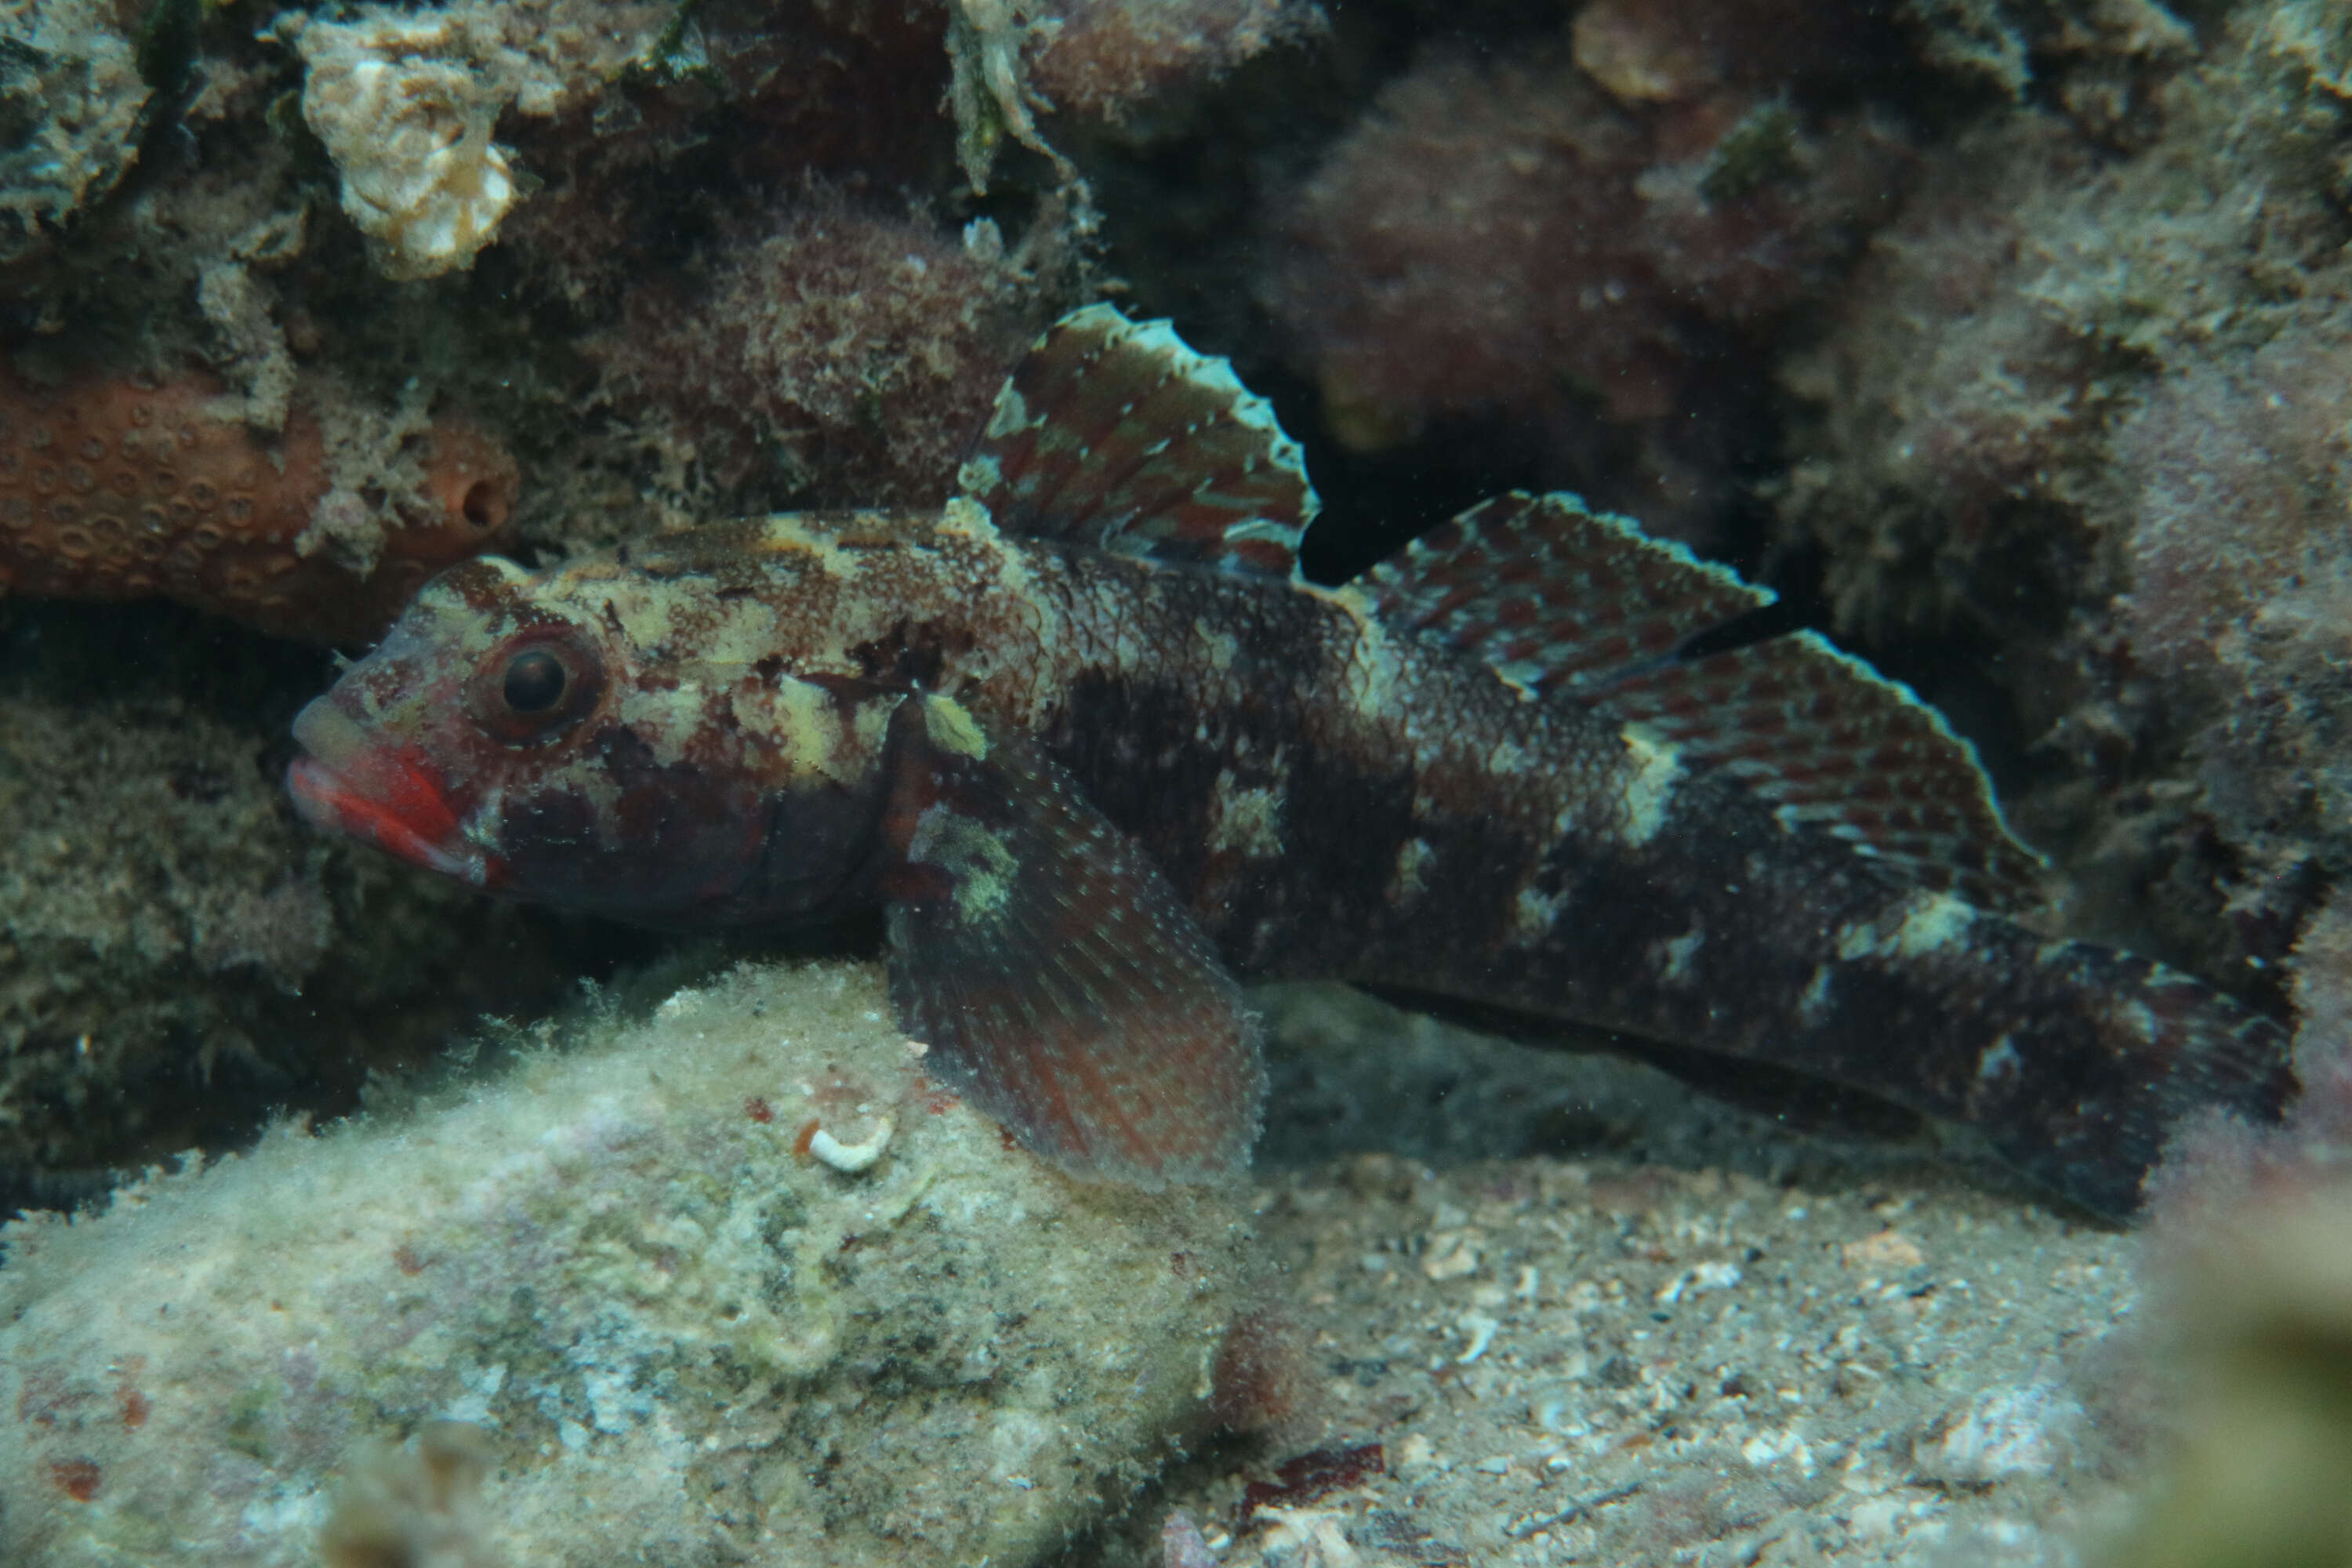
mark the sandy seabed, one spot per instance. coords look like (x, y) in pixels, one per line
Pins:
(1723, 1341)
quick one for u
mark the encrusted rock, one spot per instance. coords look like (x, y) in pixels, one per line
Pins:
(406, 103)
(177, 954)
(70, 98)
(410, 129)
(678, 1339)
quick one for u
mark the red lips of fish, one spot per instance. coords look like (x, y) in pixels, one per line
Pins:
(390, 796)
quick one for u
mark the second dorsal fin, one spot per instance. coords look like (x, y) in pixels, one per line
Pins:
(1558, 599)
(1564, 602)
(1115, 433)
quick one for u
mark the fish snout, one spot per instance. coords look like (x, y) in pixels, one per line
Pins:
(351, 780)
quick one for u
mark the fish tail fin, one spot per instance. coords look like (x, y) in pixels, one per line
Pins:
(2088, 1100)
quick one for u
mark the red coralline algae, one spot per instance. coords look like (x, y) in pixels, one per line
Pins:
(846, 358)
(1512, 241)
(1263, 1378)
(1181, 1545)
(774, 98)
(2239, 476)
(1946, 474)
(78, 1478)
(1301, 1479)
(2036, 292)
(131, 488)
(2323, 1045)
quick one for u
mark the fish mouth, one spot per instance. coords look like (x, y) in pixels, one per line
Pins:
(347, 782)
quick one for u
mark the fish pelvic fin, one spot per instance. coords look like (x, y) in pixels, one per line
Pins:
(1115, 433)
(1566, 602)
(1060, 985)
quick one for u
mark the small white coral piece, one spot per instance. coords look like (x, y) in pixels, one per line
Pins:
(407, 118)
(2005, 1433)
(852, 1158)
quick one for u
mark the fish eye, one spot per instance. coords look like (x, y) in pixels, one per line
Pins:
(536, 685)
(535, 682)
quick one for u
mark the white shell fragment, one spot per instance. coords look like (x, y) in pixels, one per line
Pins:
(2004, 1433)
(408, 122)
(852, 1158)
(406, 102)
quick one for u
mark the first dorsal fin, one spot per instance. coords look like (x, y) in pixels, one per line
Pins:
(1115, 433)
(1565, 602)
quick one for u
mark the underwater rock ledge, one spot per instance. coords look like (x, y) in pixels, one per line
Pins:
(649, 1270)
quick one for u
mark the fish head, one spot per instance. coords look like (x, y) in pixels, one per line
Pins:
(511, 732)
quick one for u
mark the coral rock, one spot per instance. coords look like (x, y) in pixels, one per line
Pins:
(127, 489)
(405, 104)
(1667, 51)
(2007, 326)
(857, 353)
(2255, 1285)
(2086, 410)
(674, 1341)
(1510, 243)
(70, 103)
(2241, 586)
(1109, 57)
(164, 920)
(411, 134)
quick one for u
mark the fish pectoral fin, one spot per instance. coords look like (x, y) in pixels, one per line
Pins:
(1059, 983)
(1115, 434)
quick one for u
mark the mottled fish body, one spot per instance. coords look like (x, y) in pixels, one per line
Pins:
(1095, 748)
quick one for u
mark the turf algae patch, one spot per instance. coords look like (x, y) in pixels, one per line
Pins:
(676, 1336)
(177, 954)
